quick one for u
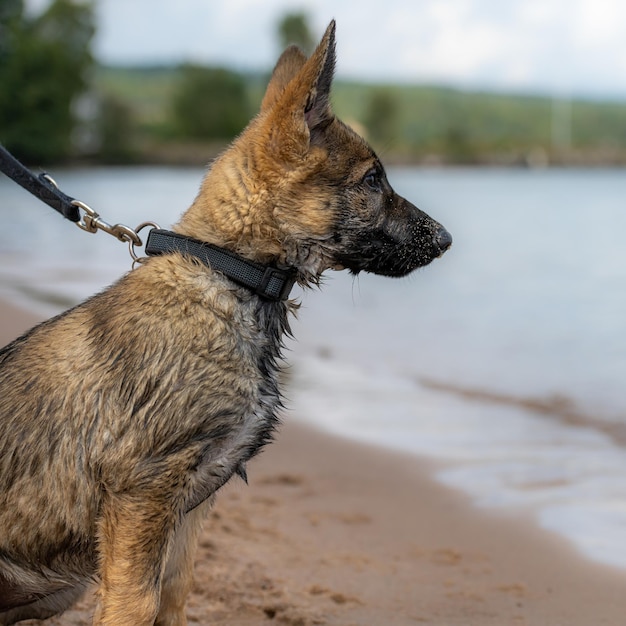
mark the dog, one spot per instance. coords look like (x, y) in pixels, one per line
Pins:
(122, 417)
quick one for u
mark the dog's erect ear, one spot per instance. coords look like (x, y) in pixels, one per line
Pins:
(297, 100)
(290, 63)
(318, 79)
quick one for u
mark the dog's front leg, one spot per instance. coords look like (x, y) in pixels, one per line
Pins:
(178, 577)
(134, 533)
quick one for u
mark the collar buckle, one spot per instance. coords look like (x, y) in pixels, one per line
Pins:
(276, 284)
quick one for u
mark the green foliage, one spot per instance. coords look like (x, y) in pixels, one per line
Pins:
(209, 104)
(44, 63)
(456, 126)
(46, 66)
(457, 148)
(381, 116)
(293, 28)
(147, 91)
(430, 124)
(115, 128)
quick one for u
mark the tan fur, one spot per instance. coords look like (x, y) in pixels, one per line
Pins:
(257, 197)
(122, 418)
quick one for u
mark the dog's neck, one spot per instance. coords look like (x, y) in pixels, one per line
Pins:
(237, 214)
(266, 281)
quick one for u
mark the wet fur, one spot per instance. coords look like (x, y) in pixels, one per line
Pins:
(122, 417)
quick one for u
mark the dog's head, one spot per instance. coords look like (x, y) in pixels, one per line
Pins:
(301, 189)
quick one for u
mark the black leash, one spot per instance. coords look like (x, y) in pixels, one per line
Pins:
(266, 281)
(41, 186)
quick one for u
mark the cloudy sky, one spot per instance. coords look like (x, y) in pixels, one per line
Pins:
(558, 47)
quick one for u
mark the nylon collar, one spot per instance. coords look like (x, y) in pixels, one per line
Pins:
(266, 281)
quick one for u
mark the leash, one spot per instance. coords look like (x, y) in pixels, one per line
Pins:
(42, 186)
(46, 189)
(269, 282)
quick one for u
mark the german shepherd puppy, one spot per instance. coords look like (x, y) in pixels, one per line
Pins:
(122, 417)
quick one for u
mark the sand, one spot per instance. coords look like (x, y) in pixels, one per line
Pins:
(333, 532)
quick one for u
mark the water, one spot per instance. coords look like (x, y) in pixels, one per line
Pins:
(504, 360)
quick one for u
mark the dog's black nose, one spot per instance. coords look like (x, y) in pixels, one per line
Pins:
(442, 239)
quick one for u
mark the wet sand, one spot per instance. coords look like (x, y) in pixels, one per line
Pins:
(334, 532)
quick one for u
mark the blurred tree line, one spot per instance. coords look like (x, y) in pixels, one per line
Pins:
(53, 107)
(44, 67)
(57, 104)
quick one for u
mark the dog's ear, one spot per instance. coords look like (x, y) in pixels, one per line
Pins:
(297, 101)
(287, 66)
(317, 77)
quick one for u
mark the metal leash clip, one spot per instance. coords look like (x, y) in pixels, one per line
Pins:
(91, 222)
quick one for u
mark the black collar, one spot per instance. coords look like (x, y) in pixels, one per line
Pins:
(266, 281)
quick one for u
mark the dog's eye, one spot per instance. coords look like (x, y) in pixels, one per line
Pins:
(372, 180)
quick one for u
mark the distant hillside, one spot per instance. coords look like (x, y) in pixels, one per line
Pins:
(416, 123)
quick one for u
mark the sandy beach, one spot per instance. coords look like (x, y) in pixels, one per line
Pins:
(333, 532)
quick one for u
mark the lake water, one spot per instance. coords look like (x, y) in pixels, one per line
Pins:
(505, 360)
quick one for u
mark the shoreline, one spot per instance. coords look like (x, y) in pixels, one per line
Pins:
(331, 531)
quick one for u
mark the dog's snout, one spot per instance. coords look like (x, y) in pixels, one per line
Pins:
(442, 239)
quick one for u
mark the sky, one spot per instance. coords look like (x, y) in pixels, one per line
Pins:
(556, 47)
